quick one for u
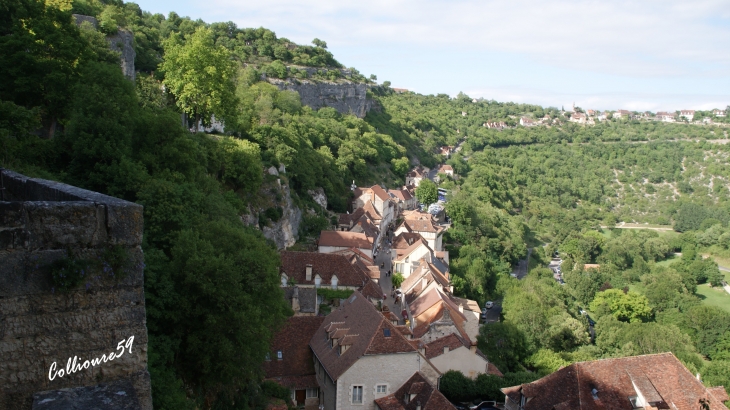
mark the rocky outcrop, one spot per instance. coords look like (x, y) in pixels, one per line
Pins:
(345, 96)
(319, 197)
(123, 43)
(285, 231)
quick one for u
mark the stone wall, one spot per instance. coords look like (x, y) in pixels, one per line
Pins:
(42, 222)
(344, 96)
(122, 43)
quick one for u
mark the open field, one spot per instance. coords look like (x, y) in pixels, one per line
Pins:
(714, 297)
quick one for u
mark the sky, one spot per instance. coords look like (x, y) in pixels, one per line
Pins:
(636, 55)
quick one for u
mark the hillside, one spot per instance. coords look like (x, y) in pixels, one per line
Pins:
(68, 113)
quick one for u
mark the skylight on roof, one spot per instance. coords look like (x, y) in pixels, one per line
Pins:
(386, 332)
(352, 299)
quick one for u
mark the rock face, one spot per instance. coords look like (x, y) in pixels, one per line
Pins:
(319, 197)
(123, 42)
(42, 222)
(345, 96)
(285, 231)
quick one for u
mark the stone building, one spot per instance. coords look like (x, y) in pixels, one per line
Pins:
(46, 228)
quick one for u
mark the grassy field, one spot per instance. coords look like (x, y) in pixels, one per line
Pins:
(668, 261)
(714, 297)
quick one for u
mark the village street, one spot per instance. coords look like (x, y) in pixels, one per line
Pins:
(384, 258)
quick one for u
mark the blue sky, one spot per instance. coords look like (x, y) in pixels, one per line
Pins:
(619, 54)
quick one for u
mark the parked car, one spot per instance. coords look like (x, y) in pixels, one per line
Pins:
(489, 304)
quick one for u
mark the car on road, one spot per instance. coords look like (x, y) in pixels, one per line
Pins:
(489, 304)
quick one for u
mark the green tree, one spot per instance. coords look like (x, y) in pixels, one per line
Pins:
(627, 307)
(201, 75)
(427, 193)
(457, 387)
(319, 43)
(397, 280)
(504, 344)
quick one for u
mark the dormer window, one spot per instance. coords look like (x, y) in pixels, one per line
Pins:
(279, 355)
(334, 282)
(317, 281)
(283, 279)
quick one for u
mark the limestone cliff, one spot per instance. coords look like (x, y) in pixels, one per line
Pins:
(275, 214)
(285, 231)
(344, 96)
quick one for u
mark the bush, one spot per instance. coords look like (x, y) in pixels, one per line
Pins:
(457, 387)
(69, 272)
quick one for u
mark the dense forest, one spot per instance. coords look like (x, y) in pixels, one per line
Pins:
(67, 113)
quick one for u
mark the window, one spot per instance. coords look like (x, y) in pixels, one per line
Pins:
(279, 355)
(312, 393)
(386, 332)
(283, 280)
(317, 281)
(334, 282)
(356, 394)
(381, 389)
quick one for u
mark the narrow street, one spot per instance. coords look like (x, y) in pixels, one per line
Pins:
(384, 258)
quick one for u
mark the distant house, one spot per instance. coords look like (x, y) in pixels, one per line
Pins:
(332, 241)
(447, 170)
(384, 206)
(665, 116)
(578, 117)
(591, 113)
(463, 113)
(718, 113)
(622, 114)
(687, 114)
(360, 356)
(321, 270)
(415, 394)
(403, 199)
(446, 151)
(405, 261)
(416, 175)
(290, 362)
(654, 381)
(399, 90)
(527, 122)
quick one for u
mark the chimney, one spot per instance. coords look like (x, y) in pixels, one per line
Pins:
(461, 308)
(295, 300)
(473, 347)
(309, 272)
(446, 349)
(451, 289)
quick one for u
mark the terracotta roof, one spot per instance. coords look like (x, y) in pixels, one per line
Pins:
(430, 298)
(354, 251)
(493, 370)
(370, 211)
(404, 330)
(367, 226)
(379, 192)
(402, 253)
(401, 194)
(296, 368)
(436, 347)
(345, 239)
(719, 392)
(446, 167)
(421, 394)
(372, 290)
(345, 219)
(307, 298)
(365, 326)
(405, 239)
(414, 284)
(294, 264)
(421, 222)
(608, 384)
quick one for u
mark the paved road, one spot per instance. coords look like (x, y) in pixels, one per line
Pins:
(384, 258)
(521, 269)
(493, 313)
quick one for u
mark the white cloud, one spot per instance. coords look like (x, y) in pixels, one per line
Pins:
(621, 37)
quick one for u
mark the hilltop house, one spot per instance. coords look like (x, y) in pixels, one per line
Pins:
(687, 114)
(666, 116)
(290, 362)
(527, 122)
(578, 117)
(718, 113)
(360, 356)
(622, 114)
(654, 381)
(446, 170)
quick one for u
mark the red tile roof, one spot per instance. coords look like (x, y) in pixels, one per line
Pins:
(345, 239)
(420, 393)
(294, 264)
(379, 192)
(660, 377)
(296, 368)
(436, 347)
(401, 194)
(365, 326)
(346, 219)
